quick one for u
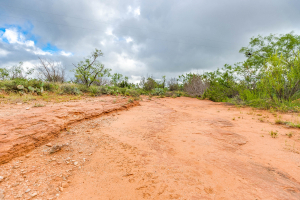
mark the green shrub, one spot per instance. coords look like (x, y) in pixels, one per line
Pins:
(70, 89)
(95, 91)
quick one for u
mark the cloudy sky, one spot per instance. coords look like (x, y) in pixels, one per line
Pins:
(139, 37)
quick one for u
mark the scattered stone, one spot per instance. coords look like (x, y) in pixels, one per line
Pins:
(33, 194)
(27, 156)
(56, 148)
(75, 163)
(1, 178)
(64, 185)
(49, 145)
(61, 189)
(28, 190)
(27, 108)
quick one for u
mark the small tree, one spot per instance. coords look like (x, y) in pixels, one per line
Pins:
(90, 70)
(148, 84)
(4, 74)
(18, 71)
(51, 71)
(173, 84)
(279, 81)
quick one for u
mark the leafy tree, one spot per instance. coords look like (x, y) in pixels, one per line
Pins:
(260, 48)
(162, 83)
(90, 70)
(19, 72)
(258, 52)
(279, 80)
(4, 73)
(116, 78)
(148, 84)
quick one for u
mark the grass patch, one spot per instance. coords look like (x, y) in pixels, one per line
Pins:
(274, 134)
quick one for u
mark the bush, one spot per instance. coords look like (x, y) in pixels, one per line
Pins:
(95, 91)
(70, 89)
(195, 86)
(158, 92)
(173, 84)
(133, 93)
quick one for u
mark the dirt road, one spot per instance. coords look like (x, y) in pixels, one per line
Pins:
(166, 148)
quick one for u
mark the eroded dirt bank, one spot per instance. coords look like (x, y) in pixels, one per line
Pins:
(167, 148)
(23, 127)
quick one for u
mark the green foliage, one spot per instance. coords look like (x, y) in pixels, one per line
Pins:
(70, 89)
(22, 86)
(148, 84)
(158, 92)
(4, 73)
(90, 70)
(222, 84)
(261, 48)
(19, 72)
(280, 81)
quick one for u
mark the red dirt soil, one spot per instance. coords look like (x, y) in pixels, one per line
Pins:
(180, 148)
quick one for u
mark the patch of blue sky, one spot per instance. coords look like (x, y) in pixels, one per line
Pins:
(120, 39)
(51, 48)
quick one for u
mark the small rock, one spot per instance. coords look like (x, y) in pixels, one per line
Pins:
(27, 108)
(61, 189)
(33, 194)
(64, 185)
(28, 190)
(1, 178)
(19, 103)
(75, 163)
(27, 156)
(49, 145)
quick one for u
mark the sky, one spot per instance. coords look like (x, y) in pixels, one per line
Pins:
(139, 37)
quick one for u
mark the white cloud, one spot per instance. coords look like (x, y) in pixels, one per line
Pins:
(3, 53)
(129, 39)
(66, 53)
(127, 64)
(14, 37)
(135, 79)
(109, 31)
(137, 12)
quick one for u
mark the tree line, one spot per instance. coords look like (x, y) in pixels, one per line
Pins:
(268, 77)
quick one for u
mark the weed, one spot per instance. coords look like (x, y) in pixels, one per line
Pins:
(274, 134)
(290, 134)
(130, 100)
(261, 119)
(38, 105)
(233, 118)
(259, 114)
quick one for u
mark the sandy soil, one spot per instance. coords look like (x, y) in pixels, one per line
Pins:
(166, 148)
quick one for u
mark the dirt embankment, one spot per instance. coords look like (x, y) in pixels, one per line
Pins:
(167, 148)
(23, 127)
